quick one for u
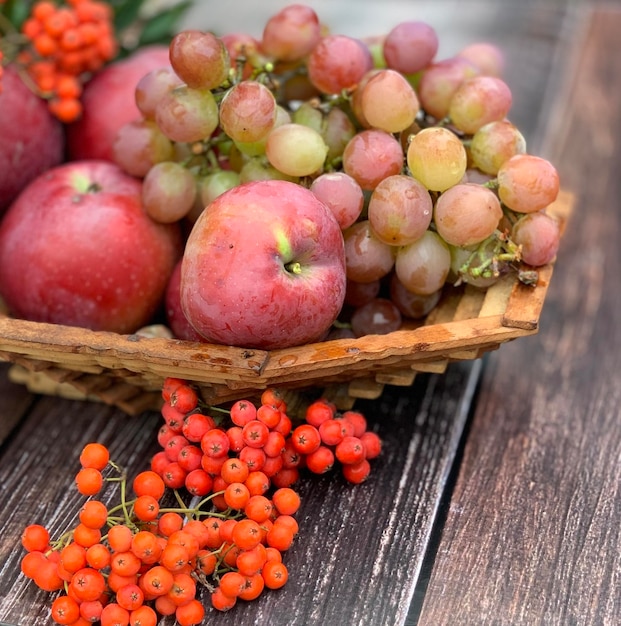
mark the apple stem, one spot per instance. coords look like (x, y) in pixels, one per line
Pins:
(294, 267)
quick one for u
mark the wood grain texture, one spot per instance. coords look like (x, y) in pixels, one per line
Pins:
(359, 551)
(532, 535)
(14, 404)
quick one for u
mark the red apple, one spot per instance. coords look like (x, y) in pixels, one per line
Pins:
(109, 103)
(264, 267)
(31, 138)
(177, 321)
(77, 248)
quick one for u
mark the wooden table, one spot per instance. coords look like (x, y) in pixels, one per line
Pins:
(497, 499)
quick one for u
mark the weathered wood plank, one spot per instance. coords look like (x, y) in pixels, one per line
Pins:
(532, 534)
(14, 404)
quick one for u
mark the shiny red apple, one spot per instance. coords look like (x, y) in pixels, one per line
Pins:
(31, 138)
(109, 103)
(264, 267)
(77, 248)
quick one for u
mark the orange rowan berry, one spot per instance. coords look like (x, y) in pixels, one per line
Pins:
(236, 495)
(280, 537)
(149, 483)
(35, 538)
(120, 538)
(169, 522)
(286, 500)
(146, 546)
(232, 584)
(42, 10)
(116, 581)
(158, 580)
(65, 610)
(174, 558)
(91, 610)
(234, 470)
(183, 589)
(246, 534)
(165, 606)
(130, 597)
(143, 616)
(275, 574)
(258, 508)
(190, 614)
(73, 557)
(206, 561)
(146, 508)
(47, 577)
(275, 398)
(32, 27)
(98, 556)
(93, 514)
(250, 562)
(113, 614)
(221, 602)
(197, 529)
(89, 481)
(125, 563)
(87, 584)
(254, 587)
(85, 536)
(31, 563)
(357, 472)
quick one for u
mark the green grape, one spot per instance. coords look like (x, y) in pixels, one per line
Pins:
(437, 158)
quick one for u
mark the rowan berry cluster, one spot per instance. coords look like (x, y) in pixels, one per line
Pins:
(144, 558)
(62, 45)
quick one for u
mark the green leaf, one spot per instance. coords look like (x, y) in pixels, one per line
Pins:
(16, 11)
(126, 13)
(162, 27)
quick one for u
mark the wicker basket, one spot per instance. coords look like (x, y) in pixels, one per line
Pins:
(128, 371)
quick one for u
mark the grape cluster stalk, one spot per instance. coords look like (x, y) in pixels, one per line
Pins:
(429, 180)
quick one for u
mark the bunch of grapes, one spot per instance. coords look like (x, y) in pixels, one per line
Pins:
(429, 180)
(215, 510)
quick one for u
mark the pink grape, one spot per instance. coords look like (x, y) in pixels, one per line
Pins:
(527, 183)
(467, 214)
(412, 305)
(439, 81)
(296, 150)
(186, 115)
(478, 101)
(248, 111)
(539, 236)
(437, 158)
(410, 46)
(423, 266)
(337, 63)
(400, 210)
(495, 143)
(199, 58)
(372, 155)
(337, 131)
(367, 258)
(380, 316)
(388, 101)
(168, 192)
(244, 50)
(488, 57)
(341, 194)
(357, 294)
(151, 87)
(139, 145)
(291, 34)
(258, 148)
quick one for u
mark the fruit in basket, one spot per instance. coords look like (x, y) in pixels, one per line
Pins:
(32, 139)
(264, 267)
(109, 102)
(77, 248)
(431, 185)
